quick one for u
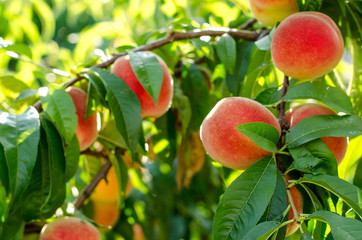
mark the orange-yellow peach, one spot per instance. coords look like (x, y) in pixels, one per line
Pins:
(307, 45)
(298, 203)
(86, 131)
(269, 12)
(227, 145)
(107, 191)
(106, 213)
(338, 145)
(122, 68)
(67, 228)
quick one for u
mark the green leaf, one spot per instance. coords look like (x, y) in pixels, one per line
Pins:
(181, 102)
(96, 81)
(269, 96)
(71, 158)
(19, 48)
(262, 134)
(3, 205)
(262, 231)
(234, 81)
(122, 174)
(46, 191)
(245, 200)
(341, 227)
(318, 126)
(348, 192)
(60, 108)
(19, 137)
(195, 88)
(13, 227)
(318, 90)
(125, 106)
(149, 72)
(13, 84)
(4, 175)
(314, 157)
(26, 94)
(226, 51)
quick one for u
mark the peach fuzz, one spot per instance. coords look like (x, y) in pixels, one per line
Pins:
(67, 228)
(122, 68)
(307, 45)
(338, 145)
(86, 131)
(223, 142)
(269, 12)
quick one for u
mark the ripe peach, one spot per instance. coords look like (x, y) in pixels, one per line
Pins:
(338, 145)
(86, 131)
(122, 68)
(106, 213)
(269, 12)
(107, 191)
(307, 45)
(298, 203)
(227, 145)
(67, 228)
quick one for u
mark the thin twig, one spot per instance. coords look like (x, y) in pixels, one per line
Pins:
(281, 107)
(170, 38)
(102, 174)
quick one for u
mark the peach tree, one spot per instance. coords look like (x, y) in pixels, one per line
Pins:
(181, 119)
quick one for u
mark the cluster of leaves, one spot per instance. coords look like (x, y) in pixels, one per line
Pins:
(177, 192)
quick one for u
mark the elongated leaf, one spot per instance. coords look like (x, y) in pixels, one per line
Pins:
(245, 200)
(195, 88)
(341, 227)
(314, 127)
(125, 107)
(122, 174)
(234, 81)
(269, 96)
(226, 51)
(262, 134)
(13, 84)
(26, 94)
(331, 96)
(13, 228)
(149, 72)
(19, 137)
(4, 175)
(71, 158)
(314, 157)
(19, 48)
(262, 231)
(46, 191)
(96, 82)
(348, 192)
(3, 205)
(61, 110)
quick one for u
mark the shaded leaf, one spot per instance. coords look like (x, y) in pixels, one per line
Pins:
(245, 200)
(125, 107)
(314, 157)
(19, 137)
(318, 126)
(341, 227)
(226, 51)
(262, 231)
(318, 90)
(262, 134)
(71, 158)
(348, 192)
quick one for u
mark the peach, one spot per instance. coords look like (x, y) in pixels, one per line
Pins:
(227, 145)
(307, 45)
(298, 203)
(107, 191)
(106, 213)
(122, 68)
(338, 145)
(269, 12)
(67, 228)
(86, 131)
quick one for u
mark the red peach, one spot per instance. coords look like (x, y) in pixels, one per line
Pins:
(307, 45)
(338, 145)
(69, 228)
(86, 131)
(227, 145)
(122, 68)
(269, 12)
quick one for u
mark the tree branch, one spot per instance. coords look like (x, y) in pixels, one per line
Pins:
(173, 37)
(102, 174)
